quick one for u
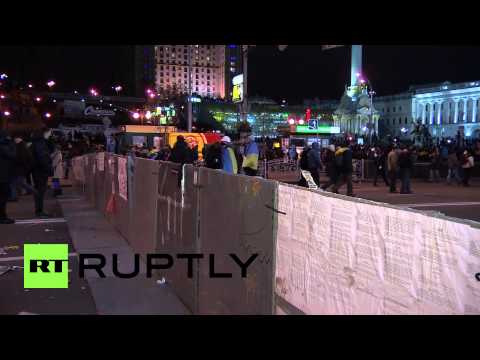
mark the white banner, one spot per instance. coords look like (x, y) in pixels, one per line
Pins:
(122, 178)
(101, 161)
(338, 256)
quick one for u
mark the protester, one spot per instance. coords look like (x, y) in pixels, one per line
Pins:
(292, 153)
(250, 159)
(435, 161)
(405, 164)
(330, 167)
(42, 168)
(314, 163)
(58, 172)
(22, 167)
(343, 159)
(304, 164)
(468, 163)
(181, 153)
(453, 167)
(379, 162)
(229, 159)
(7, 160)
(392, 167)
(213, 156)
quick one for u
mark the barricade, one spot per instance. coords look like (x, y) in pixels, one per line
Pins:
(338, 255)
(319, 253)
(237, 216)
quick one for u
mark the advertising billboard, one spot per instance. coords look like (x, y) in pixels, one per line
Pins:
(237, 90)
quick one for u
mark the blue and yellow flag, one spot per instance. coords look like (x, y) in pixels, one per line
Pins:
(229, 160)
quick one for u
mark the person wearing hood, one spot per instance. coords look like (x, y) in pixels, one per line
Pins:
(7, 160)
(229, 158)
(314, 163)
(42, 168)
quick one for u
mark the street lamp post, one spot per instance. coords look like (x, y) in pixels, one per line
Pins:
(189, 100)
(245, 83)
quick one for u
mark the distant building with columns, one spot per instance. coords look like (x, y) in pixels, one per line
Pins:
(445, 108)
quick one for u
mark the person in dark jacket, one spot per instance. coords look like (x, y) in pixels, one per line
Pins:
(379, 160)
(7, 160)
(42, 168)
(314, 163)
(405, 164)
(330, 167)
(22, 167)
(181, 154)
(343, 157)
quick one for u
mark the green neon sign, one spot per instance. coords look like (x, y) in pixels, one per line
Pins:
(304, 129)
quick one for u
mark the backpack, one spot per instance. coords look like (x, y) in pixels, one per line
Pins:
(213, 160)
(304, 160)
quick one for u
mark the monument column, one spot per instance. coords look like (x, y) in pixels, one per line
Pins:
(474, 110)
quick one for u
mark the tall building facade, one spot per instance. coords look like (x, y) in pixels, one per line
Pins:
(208, 69)
(144, 68)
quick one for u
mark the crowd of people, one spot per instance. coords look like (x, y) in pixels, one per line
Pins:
(28, 161)
(391, 163)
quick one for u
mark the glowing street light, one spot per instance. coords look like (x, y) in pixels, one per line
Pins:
(117, 89)
(152, 95)
(2, 96)
(30, 86)
(291, 121)
(136, 115)
(301, 121)
(37, 99)
(48, 115)
(93, 92)
(50, 83)
(3, 76)
(6, 113)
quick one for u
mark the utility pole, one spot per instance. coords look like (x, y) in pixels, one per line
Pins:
(189, 100)
(244, 116)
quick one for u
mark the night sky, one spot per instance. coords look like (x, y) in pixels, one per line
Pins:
(297, 73)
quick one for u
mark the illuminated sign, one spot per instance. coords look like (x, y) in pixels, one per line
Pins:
(305, 129)
(237, 91)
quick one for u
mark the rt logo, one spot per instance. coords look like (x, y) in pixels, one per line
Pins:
(45, 266)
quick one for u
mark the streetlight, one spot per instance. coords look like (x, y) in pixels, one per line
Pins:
(48, 115)
(117, 89)
(50, 83)
(3, 76)
(6, 113)
(93, 92)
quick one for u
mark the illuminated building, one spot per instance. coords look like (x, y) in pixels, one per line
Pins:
(444, 108)
(208, 69)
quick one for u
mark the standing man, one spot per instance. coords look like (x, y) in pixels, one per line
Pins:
(468, 163)
(453, 165)
(405, 164)
(250, 159)
(330, 167)
(22, 167)
(181, 154)
(343, 158)
(42, 168)
(314, 164)
(379, 162)
(392, 167)
(7, 159)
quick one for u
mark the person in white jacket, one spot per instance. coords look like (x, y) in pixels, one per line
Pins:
(58, 171)
(467, 166)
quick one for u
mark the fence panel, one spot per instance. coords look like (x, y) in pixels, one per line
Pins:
(144, 208)
(176, 229)
(236, 217)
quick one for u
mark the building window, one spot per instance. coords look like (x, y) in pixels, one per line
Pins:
(388, 110)
(394, 109)
(393, 121)
(406, 121)
(399, 108)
